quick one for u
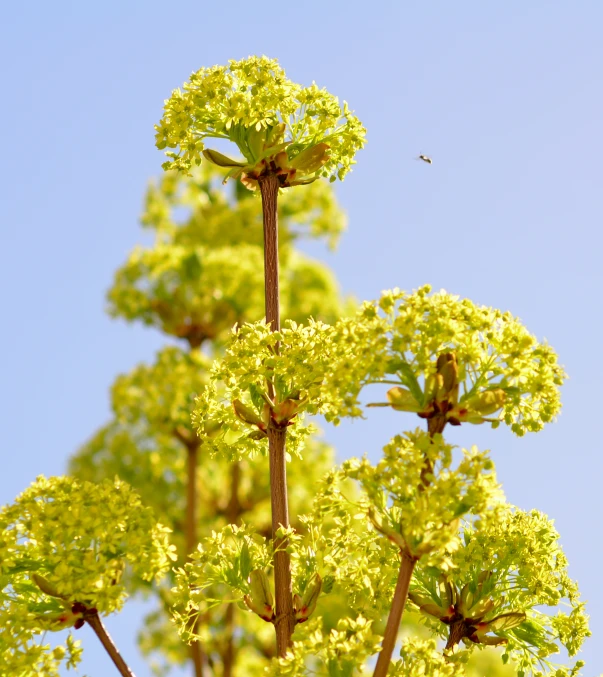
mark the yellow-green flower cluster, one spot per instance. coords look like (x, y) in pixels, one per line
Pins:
(362, 564)
(65, 544)
(192, 293)
(416, 496)
(264, 379)
(204, 273)
(252, 103)
(511, 565)
(400, 338)
(526, 543)
(162, 394)
(152, 463)
(200, 293)
(80, 536)
(222, 562)
(421, 658)
(342, 652)
(235, 565)
(22, 656)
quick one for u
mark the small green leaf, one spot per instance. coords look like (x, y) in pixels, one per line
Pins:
(409, 379)
(221, 160)
(505, 622)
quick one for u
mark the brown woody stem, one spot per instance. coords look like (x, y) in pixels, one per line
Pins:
(407, 565)
(458, 630)
(269, 191)
(192, 539)
(233, 514)
(96, 624)
(390, 636)
(285, 620)
(228, 655)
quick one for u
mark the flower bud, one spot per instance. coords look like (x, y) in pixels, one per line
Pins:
(46, 587)
(260, 601)
(428, 606)
(487, 402)
(256, 139)
(475, 409)
(284, 411)
(448, 592)
(60, 621)
(447, 367)
(247, 414)
(304, 606)
(480, 608)
(221, 160)
(433, 383)
(503, 622)
(275, 134)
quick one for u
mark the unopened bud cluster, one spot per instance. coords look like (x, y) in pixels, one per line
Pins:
(441, 397)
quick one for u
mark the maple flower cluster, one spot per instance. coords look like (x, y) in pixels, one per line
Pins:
(448, 357)
(64, 548)
(298, 133)
(264, 379)
(508, 570)
(162, 394)
(416, 497)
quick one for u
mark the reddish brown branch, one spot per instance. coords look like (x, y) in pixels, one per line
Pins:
(192, 538)
(285, 622)
(228, 656)
(96, 624)
(285, 619)
(269, 191)
(407, 566)
(435, 425)
(233, 514)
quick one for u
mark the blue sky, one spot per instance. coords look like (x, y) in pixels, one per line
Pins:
(506, 98)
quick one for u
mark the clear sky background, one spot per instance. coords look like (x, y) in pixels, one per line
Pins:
(506, 98)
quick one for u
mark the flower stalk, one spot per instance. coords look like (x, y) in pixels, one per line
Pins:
(94, 621)
(435, 425)
(192, 538)
(285, 615)
(407, 566)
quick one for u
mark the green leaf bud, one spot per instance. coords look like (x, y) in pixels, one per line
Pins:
(221, 160)
(304, 606)
(46, 587)
(247, 414)
(402, 399)
(260, 599)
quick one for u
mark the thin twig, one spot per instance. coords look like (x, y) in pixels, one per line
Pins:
(285, 623)
(96, 624)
